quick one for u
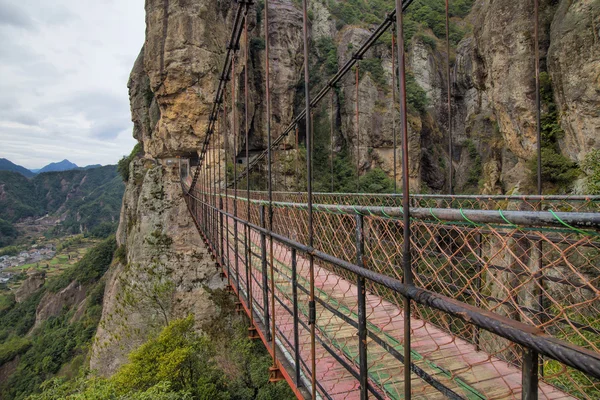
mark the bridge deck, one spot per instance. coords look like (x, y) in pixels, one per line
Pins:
(453, 364)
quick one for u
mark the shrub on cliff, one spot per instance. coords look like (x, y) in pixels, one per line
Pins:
(123, 165)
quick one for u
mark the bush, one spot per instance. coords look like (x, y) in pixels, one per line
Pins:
(12, 348)
(591, 168)
(375, 69)
(428, 40)
(415, 95)
(124, 163)
(8, 233)
(556, 168)
(376, 181)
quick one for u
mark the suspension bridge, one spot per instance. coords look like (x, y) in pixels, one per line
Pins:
(394, 296)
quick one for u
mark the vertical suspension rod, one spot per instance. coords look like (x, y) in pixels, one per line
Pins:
(309, 200)
(247, 227)
(449, 99)
(406, 255)
(540, 250)
(235, 187)
(331, 140)
(357, 132)
(395, 144)
(270, 182)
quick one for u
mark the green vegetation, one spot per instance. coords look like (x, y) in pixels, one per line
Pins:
(558, 172)
(327, 55)
(19, 319)
(89, 269)
(375, 69)
(415, 95)
(179, 363)
(8, 233)
(12, 348)
(476, 170)
(376, 181)
(123, 165)
(61, 340)
(54, 344)
(591, 168)
(421, 15)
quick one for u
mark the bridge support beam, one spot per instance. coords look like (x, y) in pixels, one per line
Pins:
(362, 311)
(530, 374)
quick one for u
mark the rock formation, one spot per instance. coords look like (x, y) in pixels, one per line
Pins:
(174, 79)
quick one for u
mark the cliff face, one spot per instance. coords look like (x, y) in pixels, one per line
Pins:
(166, 271)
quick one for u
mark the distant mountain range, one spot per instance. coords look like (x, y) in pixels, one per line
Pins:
(83, 199)
(6, 165)
(64, 165)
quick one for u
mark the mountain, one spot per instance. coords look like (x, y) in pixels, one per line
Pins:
(92, 166)
(63, 165)
(7, 165)
(83, 199)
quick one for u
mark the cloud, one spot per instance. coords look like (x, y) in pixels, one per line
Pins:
(14, 16)
(64, 66)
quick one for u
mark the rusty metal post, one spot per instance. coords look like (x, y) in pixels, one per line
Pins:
(394, 88)
(406, 250)
(357, 132)
(265, 279)
(539, 244)
(309, 201)
(530, 375)
(362, 311)
(449, 101)
(235, 179)
(331, 139)
(295, 312)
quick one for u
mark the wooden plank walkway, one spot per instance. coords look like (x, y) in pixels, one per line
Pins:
(451, 362)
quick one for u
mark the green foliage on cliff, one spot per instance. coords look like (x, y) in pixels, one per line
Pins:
(181, 363)
(59, 343)
(53, 345)
(89, 269)
(375, 69)
(415, 95)
(591, 167)
(476, 170)
(376, 181)
(123, 165)
(327, 55)
(420, 15)
(558, 172)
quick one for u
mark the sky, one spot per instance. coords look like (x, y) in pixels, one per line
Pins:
(64, 66)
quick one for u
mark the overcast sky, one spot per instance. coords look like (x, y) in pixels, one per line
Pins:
(64, 66)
